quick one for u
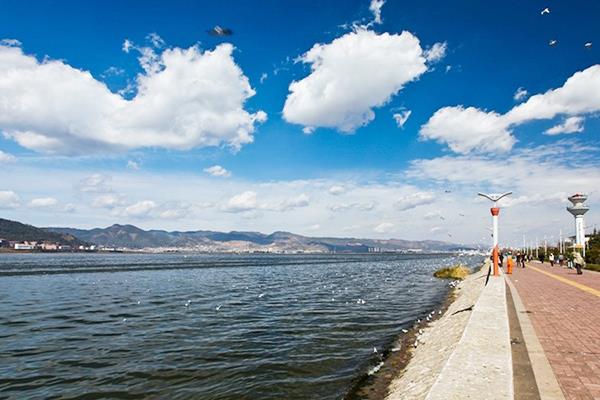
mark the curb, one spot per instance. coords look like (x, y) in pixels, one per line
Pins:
(547, 384)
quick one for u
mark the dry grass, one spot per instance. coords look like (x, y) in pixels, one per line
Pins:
(455, 272)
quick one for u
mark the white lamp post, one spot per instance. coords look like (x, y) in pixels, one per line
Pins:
(495, 212)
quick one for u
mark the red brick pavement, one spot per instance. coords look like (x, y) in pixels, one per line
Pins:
(566, 320)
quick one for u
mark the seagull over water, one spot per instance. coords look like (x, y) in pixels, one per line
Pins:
(553, 42)
(545, 11)
(588, 45)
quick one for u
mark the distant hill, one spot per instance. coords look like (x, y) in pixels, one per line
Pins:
(13, 230)
(130, 236)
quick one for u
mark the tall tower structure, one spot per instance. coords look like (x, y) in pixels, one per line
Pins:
(577, 210)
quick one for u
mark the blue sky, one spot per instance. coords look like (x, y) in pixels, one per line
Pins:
(394, 179)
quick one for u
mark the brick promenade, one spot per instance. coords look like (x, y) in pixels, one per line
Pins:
(566, 319)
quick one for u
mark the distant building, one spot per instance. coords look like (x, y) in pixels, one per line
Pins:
(24, 246)
(4, 243)
(48, 246)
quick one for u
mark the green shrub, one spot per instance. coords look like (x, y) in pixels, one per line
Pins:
(455, 272)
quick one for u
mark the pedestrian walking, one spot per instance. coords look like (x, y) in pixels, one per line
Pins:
(579, 262)
(551, 259)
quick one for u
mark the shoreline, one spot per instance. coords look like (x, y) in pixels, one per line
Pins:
(410, 371)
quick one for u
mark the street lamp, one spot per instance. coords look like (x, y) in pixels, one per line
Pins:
(495, 212)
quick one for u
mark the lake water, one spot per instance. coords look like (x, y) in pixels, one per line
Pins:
(171, 326)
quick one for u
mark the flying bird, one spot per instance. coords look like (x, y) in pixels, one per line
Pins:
(219, 31)
(588, 45)
(552, 43)
(545, 11)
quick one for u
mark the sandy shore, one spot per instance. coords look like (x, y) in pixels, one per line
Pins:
(436, 342)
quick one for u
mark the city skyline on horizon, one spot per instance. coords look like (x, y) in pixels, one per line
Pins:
(361, 119)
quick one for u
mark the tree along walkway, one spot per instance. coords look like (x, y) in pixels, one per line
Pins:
(564, 309)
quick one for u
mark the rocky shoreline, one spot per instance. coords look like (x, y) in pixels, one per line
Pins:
(410, 368)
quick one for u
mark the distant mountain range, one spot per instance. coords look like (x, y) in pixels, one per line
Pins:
(132, 237)
(18, 232)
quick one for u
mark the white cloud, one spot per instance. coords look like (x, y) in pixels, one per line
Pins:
(401, 117)
(263, 77)
(186, 98)
(570, 125)
(520, 94)
(468, 129)
(375, 8)
(113, 71)
(580, 94)
(336, 190)
(436, 52)
(96, 183)
(134, 165)
(302, 200)
(6, 158)
(342, 88)
(140, 209)
(155, 39)
(10, 42)
(436, 229)
(384, 227)
(217, 170)
(414, 200)
(43, 202)
(109, 201)
(9, 199)
(353, 206)
(471, 129)
(127, 45)
(432, 215)
(242, 202)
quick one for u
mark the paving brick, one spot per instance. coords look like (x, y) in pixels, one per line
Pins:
(567, 322)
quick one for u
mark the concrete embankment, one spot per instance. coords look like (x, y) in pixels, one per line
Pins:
(465, 354)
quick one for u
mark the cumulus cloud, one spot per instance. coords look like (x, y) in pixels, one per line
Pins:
(140, 209)
(43, 202)
(342, 90)
(109, 201)
(468, 129)
(134, 165)
(401, 117)
(471, 129)
(9, 199)
(336, 190)
(436, 52)
(414, 200)
(217, 170)
(96, 183)
(375, 8)
(353, 206)
(384, 227)
(570, 125)
(242, 202)
(302, 200)
(520, 94)
(6, 158)
(10, 42)
(186, 98)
